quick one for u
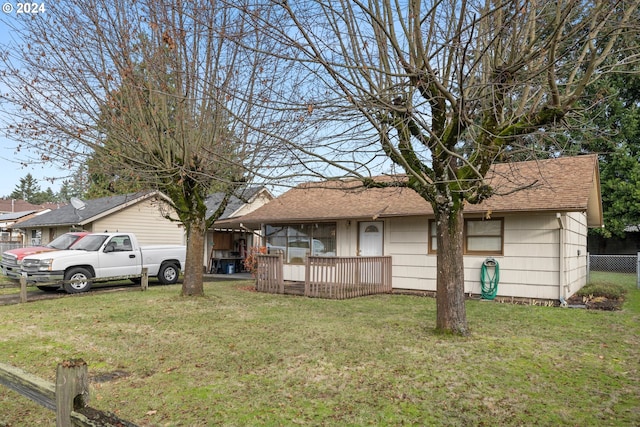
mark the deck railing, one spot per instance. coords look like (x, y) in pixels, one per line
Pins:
(347, 277)
(329, 277)
(269, 274)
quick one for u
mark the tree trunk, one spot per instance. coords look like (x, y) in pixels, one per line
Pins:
(192, 284)
(451, 314)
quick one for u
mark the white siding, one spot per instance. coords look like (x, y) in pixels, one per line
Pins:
(144, 219)
(575, 252)
(295, 272)
(530, 266)
(261, 199)
(347, 238)
(408, 245)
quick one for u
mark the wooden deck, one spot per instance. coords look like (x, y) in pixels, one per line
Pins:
(294, 288)
(327, 277)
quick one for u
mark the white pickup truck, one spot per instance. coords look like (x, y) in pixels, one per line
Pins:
(101, 257)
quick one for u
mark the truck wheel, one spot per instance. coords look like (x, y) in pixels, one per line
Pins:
(77, 280)
(168, 274)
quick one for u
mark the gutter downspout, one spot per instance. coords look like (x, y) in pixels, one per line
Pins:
(561, 254)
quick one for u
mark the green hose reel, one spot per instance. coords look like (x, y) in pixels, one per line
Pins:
(489, 277)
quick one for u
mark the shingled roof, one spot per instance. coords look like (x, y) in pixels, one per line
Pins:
(16, 205)
(93, 210)
(560, 185)
(244, 195)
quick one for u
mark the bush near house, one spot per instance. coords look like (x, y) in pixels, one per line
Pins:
(251, 261)
(603, 289)
(601, 295)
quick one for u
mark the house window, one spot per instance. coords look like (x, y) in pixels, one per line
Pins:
(433, 237)
(297, 241)
(481, 236)
(36, 237)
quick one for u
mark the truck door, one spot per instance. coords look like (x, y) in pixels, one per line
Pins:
(118, 258)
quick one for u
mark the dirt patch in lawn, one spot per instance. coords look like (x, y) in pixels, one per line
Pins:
(596, 302)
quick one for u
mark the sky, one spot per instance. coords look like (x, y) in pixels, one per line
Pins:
(11, 170)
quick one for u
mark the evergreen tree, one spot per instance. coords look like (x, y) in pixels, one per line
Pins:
(77, 186)
(106, 178)
(28, 190)
(615, 135)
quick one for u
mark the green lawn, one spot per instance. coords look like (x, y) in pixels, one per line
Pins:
(242, 358)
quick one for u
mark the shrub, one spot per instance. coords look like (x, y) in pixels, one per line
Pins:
(602, 289)
(251, 262)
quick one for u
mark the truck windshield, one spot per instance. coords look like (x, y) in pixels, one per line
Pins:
(90, 243)
(63, 242)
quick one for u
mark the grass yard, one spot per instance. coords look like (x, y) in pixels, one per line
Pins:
(238, 358)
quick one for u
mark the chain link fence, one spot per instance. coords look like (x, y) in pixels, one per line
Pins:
(615, 263)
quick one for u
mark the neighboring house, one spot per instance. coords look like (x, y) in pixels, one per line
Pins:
(13, 211)
(534, 226)
(228, 246)
(16, 205)
(7, 220)
(141, 213)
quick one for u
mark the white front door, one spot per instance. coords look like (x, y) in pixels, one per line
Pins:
(370, 238)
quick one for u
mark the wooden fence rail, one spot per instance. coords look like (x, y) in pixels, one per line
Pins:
(347, 277)
(329, 277)
(269, 274)
(144, 282)
(68, 397)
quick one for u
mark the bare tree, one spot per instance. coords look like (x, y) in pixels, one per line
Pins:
(159, 93)
(440, 90)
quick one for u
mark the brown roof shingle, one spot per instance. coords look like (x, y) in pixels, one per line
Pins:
(15, 205)
(563, 184)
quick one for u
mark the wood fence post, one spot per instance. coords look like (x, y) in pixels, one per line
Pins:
(281, 273)
(72, 390)
(23, 288)
(144, 284)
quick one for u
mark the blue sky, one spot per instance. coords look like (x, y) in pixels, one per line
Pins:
(11, 170)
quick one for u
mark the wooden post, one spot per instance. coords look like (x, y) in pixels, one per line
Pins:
(281, 272)
(72, 390)
(144, 284)
(23, 288)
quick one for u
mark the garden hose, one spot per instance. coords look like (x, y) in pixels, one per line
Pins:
(489, 281)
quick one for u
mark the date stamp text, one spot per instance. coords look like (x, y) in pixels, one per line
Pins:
(30, 8)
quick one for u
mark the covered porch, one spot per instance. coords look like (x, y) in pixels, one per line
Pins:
(327, 276)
